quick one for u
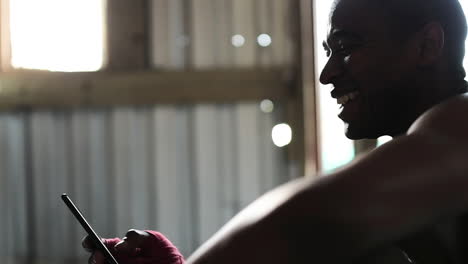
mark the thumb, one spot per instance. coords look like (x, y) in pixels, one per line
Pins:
(128, 249)
(97, 258)
(132, 243)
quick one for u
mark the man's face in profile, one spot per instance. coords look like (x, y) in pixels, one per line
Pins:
(368, 67)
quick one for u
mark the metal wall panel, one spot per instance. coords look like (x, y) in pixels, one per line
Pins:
(12, 188)
(206, 169)
(204, 39)
(228, 153)
(183, 170)
(197, 33)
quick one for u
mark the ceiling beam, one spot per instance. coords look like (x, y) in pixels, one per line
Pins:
(52, 90)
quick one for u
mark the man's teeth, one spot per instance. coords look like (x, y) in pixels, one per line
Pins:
(347, 97)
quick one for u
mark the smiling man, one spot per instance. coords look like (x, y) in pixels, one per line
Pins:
(396, 68)
(390, 61)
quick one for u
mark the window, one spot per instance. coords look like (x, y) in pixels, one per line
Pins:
(57, 35)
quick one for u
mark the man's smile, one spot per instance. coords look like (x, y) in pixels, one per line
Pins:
(349, 103)
(344, 99)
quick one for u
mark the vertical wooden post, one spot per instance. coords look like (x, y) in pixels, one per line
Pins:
(308, 89)
(203, 41)
(127, 35)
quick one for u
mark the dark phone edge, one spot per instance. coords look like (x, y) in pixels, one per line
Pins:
(87, 227)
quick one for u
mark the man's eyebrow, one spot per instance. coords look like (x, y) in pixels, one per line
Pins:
(344, 35)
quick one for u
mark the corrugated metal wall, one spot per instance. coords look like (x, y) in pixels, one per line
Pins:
(184, 170)
(198, 33)
(181, 169)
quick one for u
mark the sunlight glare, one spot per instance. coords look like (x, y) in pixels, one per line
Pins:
(57, 35)
(281, 135)
(264, 40)
(238, 40)
(464, 5)
(336, 149)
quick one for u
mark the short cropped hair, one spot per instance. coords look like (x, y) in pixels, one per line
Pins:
(409, 16)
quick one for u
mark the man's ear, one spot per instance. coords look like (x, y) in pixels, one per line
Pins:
(430, 42)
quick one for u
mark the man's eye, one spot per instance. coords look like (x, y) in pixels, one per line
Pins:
(342, 49)
(346, 50)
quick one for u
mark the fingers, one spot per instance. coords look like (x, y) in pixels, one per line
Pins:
(91, 260)
(97, 258)
(130, 245)
(88, 244)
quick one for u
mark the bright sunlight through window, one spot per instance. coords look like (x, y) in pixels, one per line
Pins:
(57, 35)
(464, 4)
(336, 149)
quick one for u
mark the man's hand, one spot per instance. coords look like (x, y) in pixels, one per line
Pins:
(137, 247)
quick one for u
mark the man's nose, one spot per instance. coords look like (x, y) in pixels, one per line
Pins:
(331, 71)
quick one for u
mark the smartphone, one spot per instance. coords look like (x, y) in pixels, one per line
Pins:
(96, 239)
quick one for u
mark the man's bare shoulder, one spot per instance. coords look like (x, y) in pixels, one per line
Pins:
(447, 120)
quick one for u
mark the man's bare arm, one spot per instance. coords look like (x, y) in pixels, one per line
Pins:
(402, 187)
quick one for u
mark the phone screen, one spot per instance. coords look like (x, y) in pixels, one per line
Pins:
(92, 234)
